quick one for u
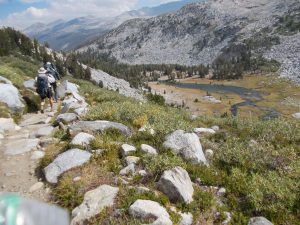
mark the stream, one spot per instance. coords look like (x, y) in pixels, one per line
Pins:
(250, 97)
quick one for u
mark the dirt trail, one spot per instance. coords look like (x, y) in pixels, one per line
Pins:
(17, 167)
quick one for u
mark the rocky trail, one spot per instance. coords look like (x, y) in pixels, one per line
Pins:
(21, 149)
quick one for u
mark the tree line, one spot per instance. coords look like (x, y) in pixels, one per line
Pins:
(14, 43)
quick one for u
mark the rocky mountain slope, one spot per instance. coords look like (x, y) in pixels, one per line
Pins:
(199, 32)
(68, 35)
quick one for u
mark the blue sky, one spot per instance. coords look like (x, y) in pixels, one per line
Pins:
(22, 13)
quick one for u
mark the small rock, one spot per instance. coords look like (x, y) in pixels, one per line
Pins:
(67, 118)
(76, 179)
(215, 128)
(37, 186)
(48, 120)
(147, 149)
(1, 136)
(259, 221)
(142, 173)
(83, 139)
(145, 209)
(9, 174)
(98, 152)
(44, 131)
(64, 162)
(228, 218)
(127, 149)
(177, 185)
(51, 114)
(127, 170)
(132, 159)
(142, 190)
(221, 192)
(187, 219)
(37, 155)
(198, 181)
(296, 116)
(94, 202)
(209, 153)
(204, 131)
(17, 128)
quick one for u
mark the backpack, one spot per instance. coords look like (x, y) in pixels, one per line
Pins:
(42, 86)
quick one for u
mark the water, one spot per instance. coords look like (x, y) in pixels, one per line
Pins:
(250, 96)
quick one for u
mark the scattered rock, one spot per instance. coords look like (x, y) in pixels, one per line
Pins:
(99, 126)
(142, 190)
(64, 162)
(94, 202)
(211, 99)
(209, 153)
(147, 149)
(127, 149)
(296, 116)
(177, 185)
(44, 131)
(81, 111)
(132, 160)
(130, 169)
(67, 118)
(221, 192)
(143, 173)
(216, 128)
(44, 142)
(21, 146)
(10, 96)
(37, 186)
(7, 124)
(66, 87)
(228, 218)
(76, 179)
(187, 145)
(30, 84)
(204, 131)
(37, 155)
(146, 209)
(83, 139)
(147, 129)
(51, 114)
(187, 219)
(259, 221)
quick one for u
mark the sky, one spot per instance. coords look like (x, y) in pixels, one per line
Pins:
(23, 13)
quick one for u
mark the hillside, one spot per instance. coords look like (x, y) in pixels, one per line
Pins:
(107, 158)
(201, 32)
(69, 35)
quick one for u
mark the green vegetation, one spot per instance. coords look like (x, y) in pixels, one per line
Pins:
(289, 24)
(136, 75)
(257, 162)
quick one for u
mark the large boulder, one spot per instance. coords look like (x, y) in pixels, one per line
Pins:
(30, 84)
(177, 185)
(66, 87)
(67, 118)
(10, 96)
(146, 209)
(187, 145)
(73, 103)
(94, 202)
(99, 126)
(82, 139)
(259, 221)
(64, 162)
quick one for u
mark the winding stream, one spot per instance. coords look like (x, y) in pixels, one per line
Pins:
(250, 97)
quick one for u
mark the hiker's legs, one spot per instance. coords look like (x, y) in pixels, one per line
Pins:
(50, 96)
(51, 103)
(54, 87)
(42, 105)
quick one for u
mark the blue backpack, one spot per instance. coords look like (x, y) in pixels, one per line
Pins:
(42, 86)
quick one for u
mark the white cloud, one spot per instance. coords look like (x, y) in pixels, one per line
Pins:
(67, 9)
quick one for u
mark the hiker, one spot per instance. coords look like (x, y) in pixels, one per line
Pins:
(51, 69)
(43, 87)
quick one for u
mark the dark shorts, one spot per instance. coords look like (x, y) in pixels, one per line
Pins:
(49, 94)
